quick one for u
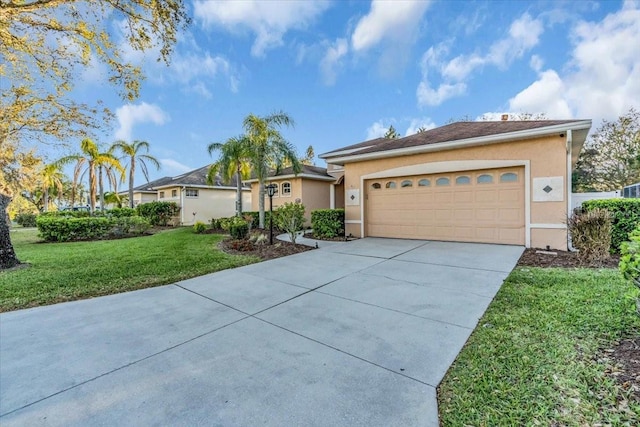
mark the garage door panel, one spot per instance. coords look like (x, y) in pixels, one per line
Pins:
(460, 211)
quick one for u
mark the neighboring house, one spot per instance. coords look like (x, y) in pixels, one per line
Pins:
(198, 200)
(314, 187)
(505, 182)
(631, 191)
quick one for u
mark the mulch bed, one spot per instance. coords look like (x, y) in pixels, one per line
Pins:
(263, 250)
(625, 355)
(562, 259)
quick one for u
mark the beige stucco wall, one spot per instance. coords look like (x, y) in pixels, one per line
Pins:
(547, 157)
(313, 194)
(139, 198)
(339, 196)
(209, 204)
(278, 199)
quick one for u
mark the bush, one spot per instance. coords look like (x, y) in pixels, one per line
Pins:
(591, 235)
(625, 217)
(256, 218)
(199, 227)
(26, 219)
(239, 230)
(67, 214)
(158, 213)
(290, 218)
(215, 224)
(61, 229)
(122, 212)
(327, 223)
(630, 260)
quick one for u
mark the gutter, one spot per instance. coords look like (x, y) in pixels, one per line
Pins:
(182, 191)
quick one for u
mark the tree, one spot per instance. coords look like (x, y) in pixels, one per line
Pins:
(392, 133)
(309, 156)
(89, 161)
(609, 160)
(582, 178)
(234, 160)
(421, 129)
(132, 154)
(267, 146)
(51, 179)
(47, 43)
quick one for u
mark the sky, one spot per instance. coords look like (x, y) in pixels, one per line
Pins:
(347, 70)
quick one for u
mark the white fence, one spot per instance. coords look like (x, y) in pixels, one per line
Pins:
(578, 198)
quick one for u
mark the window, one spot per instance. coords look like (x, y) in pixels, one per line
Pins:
(286, 189)
(406, 183)
(191, 193)
(462, 180)
(174, 193)
(161, 194)
(442, 181)
(509, 177)
(391, 184)
(424, 183)
(376, 186)
(485, 179)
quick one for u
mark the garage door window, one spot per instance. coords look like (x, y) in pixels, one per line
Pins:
(424, 183)
(463, 180)
(442, 181)
(390, 184)
(376, 186)
(509, 177)
(406, 183)
(485, 179)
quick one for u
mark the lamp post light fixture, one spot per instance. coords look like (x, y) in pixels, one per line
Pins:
(272, 189)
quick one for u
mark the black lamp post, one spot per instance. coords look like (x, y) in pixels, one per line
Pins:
(272, 189)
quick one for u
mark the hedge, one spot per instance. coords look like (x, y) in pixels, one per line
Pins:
(327, 223)
(256, 218)
(158, 213)
(26, 219)
(67, 214)
(625, 215)
(61, 229)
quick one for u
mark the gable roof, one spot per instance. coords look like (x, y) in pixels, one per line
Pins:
(148, 187)
(307, 171)
(458, 135)
(195, 178)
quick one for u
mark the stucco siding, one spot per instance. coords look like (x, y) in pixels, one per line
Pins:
(315, 195)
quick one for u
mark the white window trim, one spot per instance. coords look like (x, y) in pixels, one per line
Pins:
(186, 193)
(282, 193)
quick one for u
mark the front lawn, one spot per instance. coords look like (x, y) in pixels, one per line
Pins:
(70, 271)
(538, 356)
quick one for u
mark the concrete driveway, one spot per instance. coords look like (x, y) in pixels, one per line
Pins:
(358, 333)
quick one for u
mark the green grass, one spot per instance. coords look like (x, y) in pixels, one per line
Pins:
(534, 357)
(69, 271)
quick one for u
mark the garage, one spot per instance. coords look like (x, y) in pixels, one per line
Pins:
(469, 206)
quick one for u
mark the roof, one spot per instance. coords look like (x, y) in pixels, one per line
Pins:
(474, 133)
(194, 178)
(307, 171)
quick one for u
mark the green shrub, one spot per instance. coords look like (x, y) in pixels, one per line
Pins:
(625, 217)
(122, 212)
(67, 214)
(26, 219)
(214, 224)
(327, 223)
(630, 256)
(158, 213)
(64, 229)
(239, 230)
(591, 235)
(199, 227)
(290, 218)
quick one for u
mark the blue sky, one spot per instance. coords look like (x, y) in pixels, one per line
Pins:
(347, 70)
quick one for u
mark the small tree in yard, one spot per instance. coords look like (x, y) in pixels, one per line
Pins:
(290, 218)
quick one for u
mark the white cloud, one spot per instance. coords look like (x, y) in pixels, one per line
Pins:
(269, 21)
(536, 63)
(524, 34)
(332, 60)
(172, 167)
(129, 115)
(416, 124)
(602, 79)
(376, 130)
(395, 20)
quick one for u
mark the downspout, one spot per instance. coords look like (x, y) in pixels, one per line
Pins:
(332, 196)
(182, 191)
(569, 185)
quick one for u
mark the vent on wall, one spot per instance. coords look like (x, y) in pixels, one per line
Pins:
(505, 117)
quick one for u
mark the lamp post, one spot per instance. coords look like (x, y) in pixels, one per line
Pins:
(272, 189)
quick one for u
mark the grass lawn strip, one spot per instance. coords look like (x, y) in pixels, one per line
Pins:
(533, 359)
(70, 271)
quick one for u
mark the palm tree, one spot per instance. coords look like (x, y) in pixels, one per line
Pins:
(131, 152)
(234, 160)
(52, 178)
(268, 146)
(88, 161)
(392, 133)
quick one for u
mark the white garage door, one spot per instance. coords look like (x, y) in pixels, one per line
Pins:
(472, 206)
